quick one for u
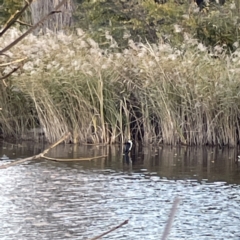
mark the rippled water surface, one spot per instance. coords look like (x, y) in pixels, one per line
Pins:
(51, 200)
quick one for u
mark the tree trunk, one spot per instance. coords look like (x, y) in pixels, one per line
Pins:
(56, 22)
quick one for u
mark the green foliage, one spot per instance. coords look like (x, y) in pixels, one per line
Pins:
(142, 20)
(8, 8)
(139, 20)
(218, 26)
(147, 20)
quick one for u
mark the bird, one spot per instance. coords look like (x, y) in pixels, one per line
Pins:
(4, 157)
(237, 160)
(128, 146)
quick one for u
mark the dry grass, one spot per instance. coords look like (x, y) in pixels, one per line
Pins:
(154, 93)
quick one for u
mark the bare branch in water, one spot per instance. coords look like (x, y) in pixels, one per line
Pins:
(73, 159)
(170, 219)
(41, 155)
(111, 230)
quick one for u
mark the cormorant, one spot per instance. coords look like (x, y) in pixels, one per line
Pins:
(128, 146)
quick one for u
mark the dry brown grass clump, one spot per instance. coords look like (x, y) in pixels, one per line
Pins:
(155, 92)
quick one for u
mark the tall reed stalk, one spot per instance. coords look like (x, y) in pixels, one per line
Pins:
(151, 93)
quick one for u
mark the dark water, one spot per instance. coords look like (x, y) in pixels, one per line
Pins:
(49, 200)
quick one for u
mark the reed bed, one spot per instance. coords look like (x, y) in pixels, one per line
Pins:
(153, 93)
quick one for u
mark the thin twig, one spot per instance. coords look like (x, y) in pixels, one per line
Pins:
(15, 61)
(6, 55)
(23, 23)
(170, 218)
(6, 76)
(73, 159)
(4, 83)
(36, 156)
(33, 27)
(14, 18)
(111, 230)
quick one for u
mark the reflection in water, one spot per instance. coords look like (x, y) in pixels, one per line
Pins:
(127, 163)
(212, 164)
(128, 159)
(79, 200)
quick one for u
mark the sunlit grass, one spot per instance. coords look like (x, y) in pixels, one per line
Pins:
(153, 93)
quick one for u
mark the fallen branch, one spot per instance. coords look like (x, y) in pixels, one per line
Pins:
(73, 159)
(170, 219)
(41, 155)
(111, 230)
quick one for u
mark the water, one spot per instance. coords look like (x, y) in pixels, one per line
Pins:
(80, 200)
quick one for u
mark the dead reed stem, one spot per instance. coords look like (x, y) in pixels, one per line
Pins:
(148, 94)
(170, 219)
(111, 230)
(13, 62)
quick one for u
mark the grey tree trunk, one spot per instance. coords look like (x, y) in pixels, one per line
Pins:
(58, 21)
